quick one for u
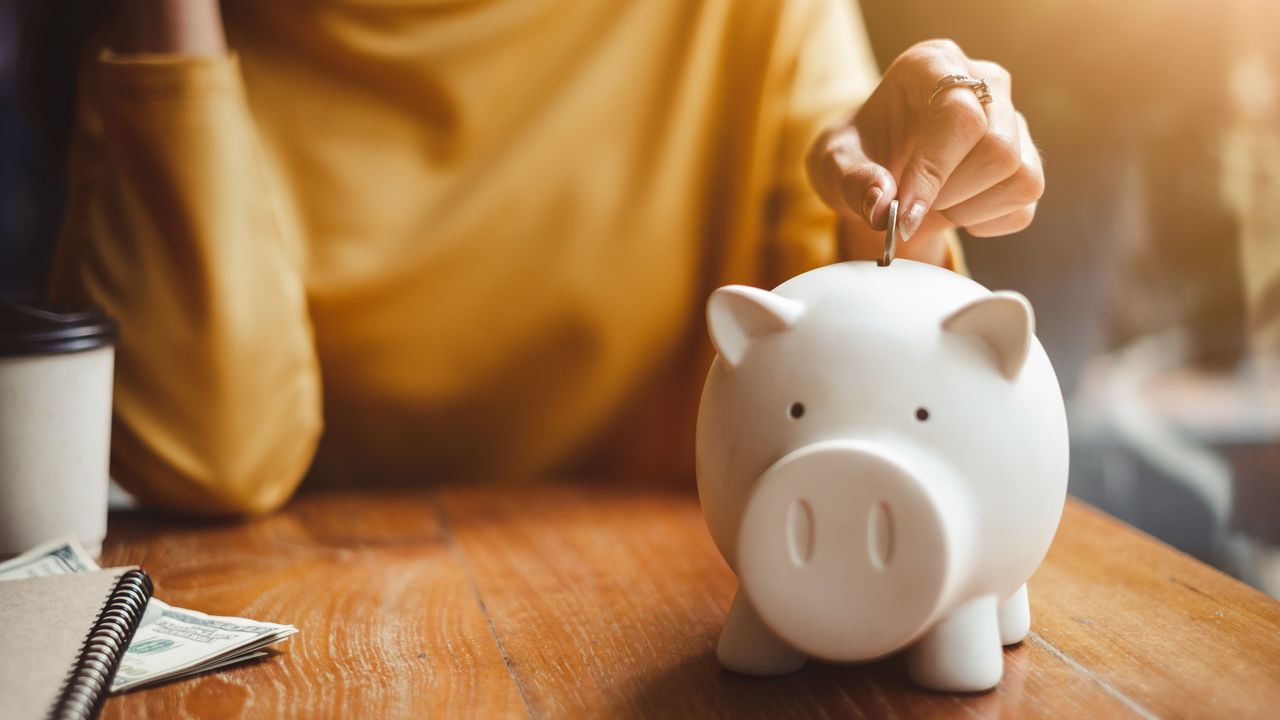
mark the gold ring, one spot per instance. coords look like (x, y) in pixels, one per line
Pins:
(979, 87)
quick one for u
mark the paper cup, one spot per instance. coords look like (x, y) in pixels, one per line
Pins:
(55, 425)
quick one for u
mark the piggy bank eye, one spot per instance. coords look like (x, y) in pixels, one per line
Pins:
(922, 414)
(796, 411)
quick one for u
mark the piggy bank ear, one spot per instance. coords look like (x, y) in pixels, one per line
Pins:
(738, 315)
(1003, 323)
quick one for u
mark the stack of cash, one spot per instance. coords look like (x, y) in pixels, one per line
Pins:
(171, 642)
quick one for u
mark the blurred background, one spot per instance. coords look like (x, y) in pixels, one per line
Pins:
(1153, 264)
(1154, 259)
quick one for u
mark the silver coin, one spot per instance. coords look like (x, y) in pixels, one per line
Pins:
(890, 236)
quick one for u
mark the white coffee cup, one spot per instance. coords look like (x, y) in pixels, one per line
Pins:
(55, 425)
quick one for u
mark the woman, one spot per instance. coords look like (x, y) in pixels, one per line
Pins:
(473, 239)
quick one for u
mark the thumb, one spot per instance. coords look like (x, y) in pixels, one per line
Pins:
(847, 180)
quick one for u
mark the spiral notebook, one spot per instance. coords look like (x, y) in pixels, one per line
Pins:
(62, 637)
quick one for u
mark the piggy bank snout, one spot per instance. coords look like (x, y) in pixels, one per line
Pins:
(844, 552)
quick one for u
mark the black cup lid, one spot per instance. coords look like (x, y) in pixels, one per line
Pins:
(41, 329)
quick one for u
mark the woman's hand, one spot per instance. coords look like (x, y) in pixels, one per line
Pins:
(950, 162)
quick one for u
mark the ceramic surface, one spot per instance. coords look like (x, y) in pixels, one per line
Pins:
(882, 460)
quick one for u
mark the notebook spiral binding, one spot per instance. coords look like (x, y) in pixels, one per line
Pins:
(89, 680)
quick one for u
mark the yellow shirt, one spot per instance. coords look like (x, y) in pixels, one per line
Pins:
(462, 238)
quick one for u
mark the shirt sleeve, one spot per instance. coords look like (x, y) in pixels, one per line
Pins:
(174, 227)
(834, 71)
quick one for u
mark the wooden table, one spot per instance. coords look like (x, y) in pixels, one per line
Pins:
(566, 601)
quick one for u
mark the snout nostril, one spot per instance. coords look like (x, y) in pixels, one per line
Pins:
(800, 532)
(880, 535)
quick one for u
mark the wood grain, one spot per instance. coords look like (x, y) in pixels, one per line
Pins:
(389, 622)
(573, 601)
(1165, 630)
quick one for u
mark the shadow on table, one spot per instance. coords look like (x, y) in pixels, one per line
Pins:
(697, 686)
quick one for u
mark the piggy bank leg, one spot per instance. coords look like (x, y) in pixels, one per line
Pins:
(963, 652)
(1015, 618)
(748, 647)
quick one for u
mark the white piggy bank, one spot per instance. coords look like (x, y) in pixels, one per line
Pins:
(882, 460)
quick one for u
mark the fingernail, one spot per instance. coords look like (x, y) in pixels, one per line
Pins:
(874, 193)
(911, 223)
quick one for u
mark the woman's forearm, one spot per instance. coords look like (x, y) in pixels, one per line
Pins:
(176, 227)
(171, 27)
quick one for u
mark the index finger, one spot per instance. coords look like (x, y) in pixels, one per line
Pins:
(954, 125)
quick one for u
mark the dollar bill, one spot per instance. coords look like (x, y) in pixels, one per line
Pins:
(170, 642)
(59, 557)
